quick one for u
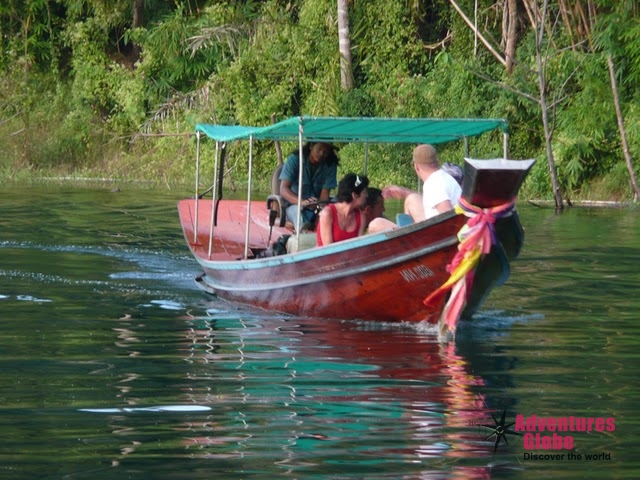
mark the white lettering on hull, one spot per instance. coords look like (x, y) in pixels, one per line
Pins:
(414, 274)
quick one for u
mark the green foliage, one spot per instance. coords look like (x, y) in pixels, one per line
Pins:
(26, 28)
(356, 103)
(385, 164)
(537, 184)
(78, 73)
(632, 125)
(69, 138)
(612, 186)
(587, 135)
(263, 78)
(170, 61)
(381, 29)
(170, 158)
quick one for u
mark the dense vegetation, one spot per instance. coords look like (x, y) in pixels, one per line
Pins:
(114, 87)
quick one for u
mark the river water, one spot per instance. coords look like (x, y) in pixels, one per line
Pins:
(114, 365)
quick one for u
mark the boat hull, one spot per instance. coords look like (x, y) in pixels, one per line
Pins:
(379, 277)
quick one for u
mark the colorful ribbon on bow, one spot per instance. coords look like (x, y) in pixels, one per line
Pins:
(476, 238)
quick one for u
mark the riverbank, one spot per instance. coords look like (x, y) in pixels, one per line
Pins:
(582, 203)
(116, 185)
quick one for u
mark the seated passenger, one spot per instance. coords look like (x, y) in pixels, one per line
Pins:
(454, 170)
(344, 219)
(319, 167)
(374, 208)
(440, 192)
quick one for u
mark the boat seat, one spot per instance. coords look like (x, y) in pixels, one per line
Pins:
(275, 202)
(403, 219)
(307, 240)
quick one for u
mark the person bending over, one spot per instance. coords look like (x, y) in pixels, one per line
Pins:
(374, 207)
(344, 219)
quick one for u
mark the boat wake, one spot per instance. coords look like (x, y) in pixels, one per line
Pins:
(485, 324)
(154, 265)
(494, 323)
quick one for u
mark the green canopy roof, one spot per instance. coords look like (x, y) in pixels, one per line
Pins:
(371, 130)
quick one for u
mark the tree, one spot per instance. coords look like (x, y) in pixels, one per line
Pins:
(344, 42)
(538, 18)
(623, 133)
(478, 34)
(510, 34)
(539, 24)
(609, 38)
(138, 21)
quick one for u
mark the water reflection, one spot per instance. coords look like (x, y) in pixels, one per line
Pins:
(113, 364)
(308, 386)
(295, 393)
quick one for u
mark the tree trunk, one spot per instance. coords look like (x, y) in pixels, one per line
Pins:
(138, 21)
(623, 133)
(276, 143)
(548, 133)
(138, 9)
(344, 42)
(511, 34)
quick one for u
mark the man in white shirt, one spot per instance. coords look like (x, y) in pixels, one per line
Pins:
(440, 191)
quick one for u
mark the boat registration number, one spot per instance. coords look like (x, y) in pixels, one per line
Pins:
(416, 273)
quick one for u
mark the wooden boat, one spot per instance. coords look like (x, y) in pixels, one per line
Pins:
(430, 271)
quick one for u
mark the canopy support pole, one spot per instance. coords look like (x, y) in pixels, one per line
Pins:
(246, 230)
(300, 167)
(366, 157)
(213, 198)
(195, 223)
(505, 145)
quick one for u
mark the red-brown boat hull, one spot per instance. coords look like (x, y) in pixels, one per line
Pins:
(380, 277)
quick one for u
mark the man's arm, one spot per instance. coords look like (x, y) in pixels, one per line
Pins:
(444, 206)
(286, 192)
(413, 206)
(291, 197)
(324, 195)
(395, 191)
(330, 174)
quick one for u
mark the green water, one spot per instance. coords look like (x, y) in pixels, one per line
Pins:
(114, 365)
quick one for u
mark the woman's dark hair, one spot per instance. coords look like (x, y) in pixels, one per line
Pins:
(351, 183)
(330, 159)
(373, 195)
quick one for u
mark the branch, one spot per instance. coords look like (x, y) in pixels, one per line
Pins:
(475, 30)
(504, 85)
(440, 44)
(537, 18)
(564, 84)
(4, 120)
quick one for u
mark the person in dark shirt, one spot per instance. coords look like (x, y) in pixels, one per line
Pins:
(319, 173)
